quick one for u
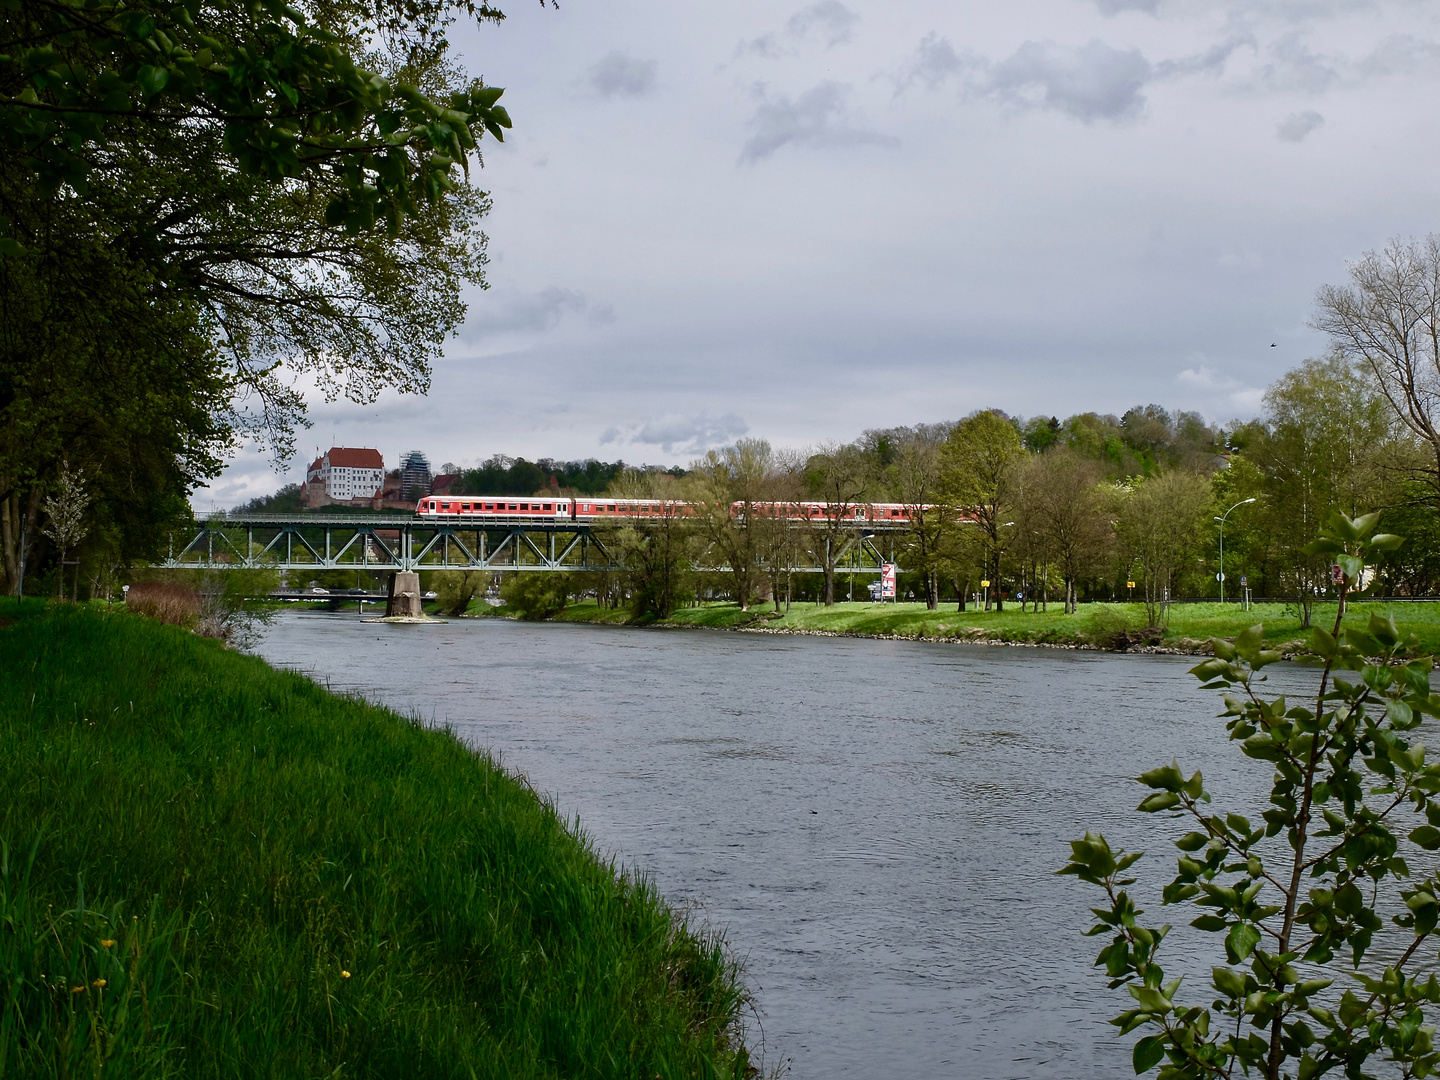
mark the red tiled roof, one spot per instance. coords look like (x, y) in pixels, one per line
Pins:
(443, 482)
(349, 457)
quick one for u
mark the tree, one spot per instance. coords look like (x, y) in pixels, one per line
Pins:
(284, 86)
(915, 479)
(1293, 894)
(727, 488)
(980, 462)
(65, 514)
(1388, 319)
(656, 553)
(1326, 446)
(1160, 521)
(536, 595)
(278, 201)
(1064, 505)
(838, 476)
(455, 589)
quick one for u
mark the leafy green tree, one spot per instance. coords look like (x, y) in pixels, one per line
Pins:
(1160, 521)
(1305, 888)
(981, 460)
(727, 488)
(455, 589)
(536, 595)
(1062, 506)
(1327, 444)
(279, 199)
(915, 481)
(657, 553)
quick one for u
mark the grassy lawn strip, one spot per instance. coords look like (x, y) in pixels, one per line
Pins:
(212, 868)
(1186, 623)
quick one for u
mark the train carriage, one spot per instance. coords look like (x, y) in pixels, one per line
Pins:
(590, 509)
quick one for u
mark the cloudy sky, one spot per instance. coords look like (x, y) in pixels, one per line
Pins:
(797, 222)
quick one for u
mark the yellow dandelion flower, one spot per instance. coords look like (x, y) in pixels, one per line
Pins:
(99, 984)
(344, 974)
(107, 943)
(77, 989)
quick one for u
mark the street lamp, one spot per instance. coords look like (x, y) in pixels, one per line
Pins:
(1221, 520)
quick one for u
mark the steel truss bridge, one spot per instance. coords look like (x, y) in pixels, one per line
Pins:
(383, 543)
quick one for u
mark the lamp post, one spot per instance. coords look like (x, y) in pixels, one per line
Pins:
(1221, 520)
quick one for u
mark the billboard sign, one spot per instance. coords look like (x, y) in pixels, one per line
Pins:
(887, 581)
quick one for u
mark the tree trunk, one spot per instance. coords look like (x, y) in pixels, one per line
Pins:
(829, 586)
(9, 539)
(932, 590)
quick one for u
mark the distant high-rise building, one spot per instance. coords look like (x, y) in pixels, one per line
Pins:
(415, 475)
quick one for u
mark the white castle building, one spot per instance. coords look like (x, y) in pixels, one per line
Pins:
(345, 474)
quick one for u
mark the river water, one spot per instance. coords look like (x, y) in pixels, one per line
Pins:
(874, 825)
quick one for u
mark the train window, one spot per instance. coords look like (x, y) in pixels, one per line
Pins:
(548, 506)
(465, 507)
(524, 506)
(444, 506)
(894, 513)
(612, 508)
(489, 506)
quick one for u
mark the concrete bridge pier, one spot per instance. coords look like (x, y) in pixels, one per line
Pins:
(403, 598)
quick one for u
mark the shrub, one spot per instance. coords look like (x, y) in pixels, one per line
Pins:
(538, 595)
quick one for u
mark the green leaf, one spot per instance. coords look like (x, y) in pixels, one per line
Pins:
(11, 248)
(1427, 836)
(1167, 777)
(1241, 942)
(1150, 999)
(1161, 800)
(1384, 630)
(1228, 982)
(1386, 542)
(1248, 642)
(1148, 1052)
(1324, 643)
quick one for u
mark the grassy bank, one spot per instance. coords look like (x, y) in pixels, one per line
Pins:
(213, 868)
(1187, 625)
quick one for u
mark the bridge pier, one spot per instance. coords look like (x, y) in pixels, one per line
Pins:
(403, 598)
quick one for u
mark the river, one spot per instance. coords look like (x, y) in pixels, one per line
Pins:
(875, 825)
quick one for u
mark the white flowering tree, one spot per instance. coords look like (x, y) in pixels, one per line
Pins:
(65, 514)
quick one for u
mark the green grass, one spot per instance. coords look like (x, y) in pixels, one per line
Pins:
(1185, 622)
(211, 868)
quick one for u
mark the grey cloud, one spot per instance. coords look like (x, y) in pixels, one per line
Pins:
(819, 117)
(687, 434)
(1295, 127)
(1294, 67)
(1114, 7)
(533, 313)
(935, 61)
(1092, 82)
(1397, 55)
(618, 75)
(829, 21)
(1211, 62)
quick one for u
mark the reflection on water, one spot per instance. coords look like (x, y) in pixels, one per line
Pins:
(875, 824)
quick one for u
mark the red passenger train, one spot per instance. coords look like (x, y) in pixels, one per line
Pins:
(586, 508)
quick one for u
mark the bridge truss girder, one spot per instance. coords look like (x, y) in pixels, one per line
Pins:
(387, 545)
